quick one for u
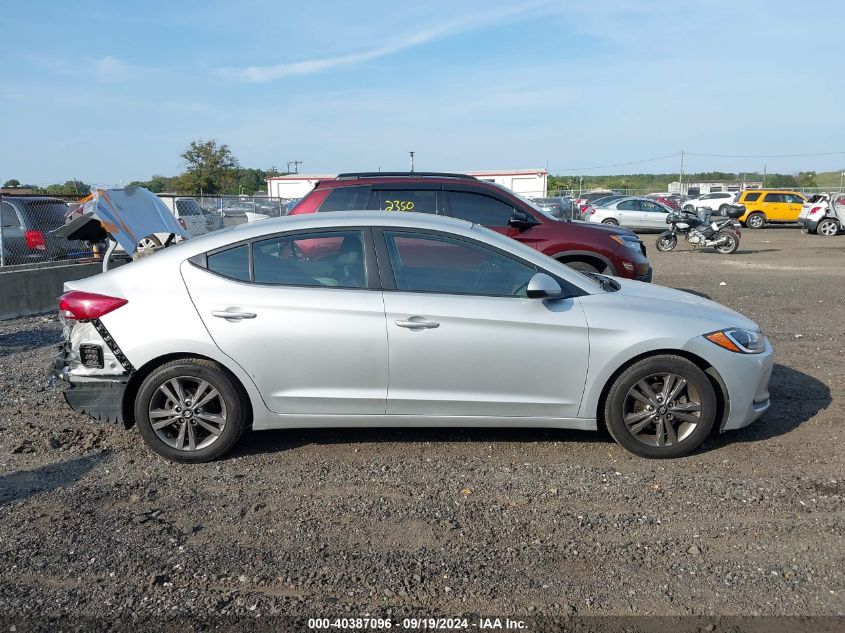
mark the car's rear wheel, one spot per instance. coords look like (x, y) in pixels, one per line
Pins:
(755, 221)
(610, 221)
(661, 407)
(582, 267)
(190, 410)
(827, 227)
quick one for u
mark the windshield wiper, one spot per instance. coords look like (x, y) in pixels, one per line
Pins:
(607, 284)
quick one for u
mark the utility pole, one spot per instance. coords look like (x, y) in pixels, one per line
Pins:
(840, 179)
(296, 164)
(412, 161)
(681, 176)
(764, 176)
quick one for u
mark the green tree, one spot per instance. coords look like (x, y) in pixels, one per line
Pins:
(807, 179)
(209, 167)
(12, 183)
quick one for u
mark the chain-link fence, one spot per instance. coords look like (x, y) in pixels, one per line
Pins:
(28, 223)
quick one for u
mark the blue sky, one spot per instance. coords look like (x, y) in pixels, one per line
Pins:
(112, 92)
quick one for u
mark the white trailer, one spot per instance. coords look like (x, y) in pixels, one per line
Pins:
(531, 183)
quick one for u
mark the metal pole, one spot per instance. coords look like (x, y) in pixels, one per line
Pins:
(681, 176)
(764, 176)
(412, 161)
(840, 185)
(2, 250)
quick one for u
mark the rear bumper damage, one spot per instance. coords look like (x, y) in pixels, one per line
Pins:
(93, 385)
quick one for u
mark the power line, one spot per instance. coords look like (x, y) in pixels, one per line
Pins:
(633, 162)
(767, 155)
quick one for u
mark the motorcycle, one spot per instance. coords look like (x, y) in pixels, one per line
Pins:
(722, 234)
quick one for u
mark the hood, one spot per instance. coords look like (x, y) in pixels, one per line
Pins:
(661, 300)
(607, 229)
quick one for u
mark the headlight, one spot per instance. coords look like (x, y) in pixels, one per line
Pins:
(631, 241)
(738, 340)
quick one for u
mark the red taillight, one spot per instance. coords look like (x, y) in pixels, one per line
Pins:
(592, 210)
(81, 306)
(815, 210)
(35, 241)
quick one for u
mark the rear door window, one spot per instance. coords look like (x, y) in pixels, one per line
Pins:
(419, 201)
(325, 258)
(773, 197)
(479, 209)
(627, 205)
(346, 199)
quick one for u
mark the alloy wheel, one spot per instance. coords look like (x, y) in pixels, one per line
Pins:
(662, 409)
(827, 228)
(187, 413)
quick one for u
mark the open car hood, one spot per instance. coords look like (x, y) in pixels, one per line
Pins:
(127, 215)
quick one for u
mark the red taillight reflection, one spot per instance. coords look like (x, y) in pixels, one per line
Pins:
(80, 305)
(35, 241)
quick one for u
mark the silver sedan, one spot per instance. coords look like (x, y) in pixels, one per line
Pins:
(640, 214)
(375, 319)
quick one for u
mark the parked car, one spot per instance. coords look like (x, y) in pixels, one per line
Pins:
(612, 250)
(765, 206)
(477, 329)
(673, 201)
(639, 214)
(823, 214)
(598, 202)
(586, 198)
(188, 212)
(561, 208)
(27, 225)
(716, 201)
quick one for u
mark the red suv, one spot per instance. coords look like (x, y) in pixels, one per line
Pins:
(587, 248)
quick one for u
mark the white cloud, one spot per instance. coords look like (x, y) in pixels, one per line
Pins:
(258, 74)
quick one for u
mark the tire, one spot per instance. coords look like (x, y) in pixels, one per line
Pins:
(722, 209)
(666, 242)
(755, 220)
(610, 222)
(827, 228)
(147, 246)
(582, 267)
(640, 435)
(230, 405)
(732, 243)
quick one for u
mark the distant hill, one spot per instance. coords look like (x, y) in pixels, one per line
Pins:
(829, 178)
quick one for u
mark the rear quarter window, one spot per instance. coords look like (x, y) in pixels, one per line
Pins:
(751, 197)
(232, 263)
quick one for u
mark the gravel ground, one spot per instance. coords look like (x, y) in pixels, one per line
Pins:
(443, 522)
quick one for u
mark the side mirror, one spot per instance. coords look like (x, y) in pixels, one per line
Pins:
(542, 286)
(521, 220)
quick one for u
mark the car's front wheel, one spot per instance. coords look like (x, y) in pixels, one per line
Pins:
(662, 406)
(190, 410)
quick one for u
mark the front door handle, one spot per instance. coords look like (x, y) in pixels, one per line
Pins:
(419, 324)
(226, 314)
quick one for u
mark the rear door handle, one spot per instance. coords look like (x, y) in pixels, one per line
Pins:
(226, 314)
(420, 324)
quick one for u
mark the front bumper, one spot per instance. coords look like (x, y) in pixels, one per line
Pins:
(647, 276)
(745, 377)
